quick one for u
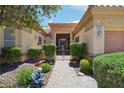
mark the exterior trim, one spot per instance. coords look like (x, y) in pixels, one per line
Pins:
(83, 20)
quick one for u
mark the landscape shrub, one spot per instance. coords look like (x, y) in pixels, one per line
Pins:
(77, 49)
(84, 66)
(34, 52)
(45, 67)
(5, 50)
(13, 54)
(2, 85)
(90, 59)
(108, 70)
(49, 50)
(24, 77)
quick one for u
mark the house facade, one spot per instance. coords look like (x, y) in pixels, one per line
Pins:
(102, 28)
(61, 36)
(21, 38)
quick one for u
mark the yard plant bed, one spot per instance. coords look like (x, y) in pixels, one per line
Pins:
(47, 76)
(75, 66)
(77, 69)
(8, 73)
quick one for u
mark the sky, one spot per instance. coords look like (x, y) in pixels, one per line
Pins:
(67, 13)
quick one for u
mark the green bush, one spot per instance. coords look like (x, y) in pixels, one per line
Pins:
(24, 76)
(5, 50)
(13, 54)
(45, 67)
(84, 66)
(34, 52)
(109, 70)
(49, 50)
(90, 58)
(2, 85)
(77, 49)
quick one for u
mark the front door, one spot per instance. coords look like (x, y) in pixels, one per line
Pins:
(63, 46)
(63, 41)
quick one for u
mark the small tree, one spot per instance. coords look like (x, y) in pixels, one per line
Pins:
(26, 16)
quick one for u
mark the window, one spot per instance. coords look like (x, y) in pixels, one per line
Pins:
(77, 39)
(39, 40)
(9, 37)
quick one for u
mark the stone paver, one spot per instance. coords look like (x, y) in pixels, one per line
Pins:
(64, 76)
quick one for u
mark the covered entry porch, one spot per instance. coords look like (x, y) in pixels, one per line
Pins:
(61, 36)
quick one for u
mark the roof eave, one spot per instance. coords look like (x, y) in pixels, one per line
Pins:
(83, 21)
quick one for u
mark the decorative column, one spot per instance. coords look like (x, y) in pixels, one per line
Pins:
(98, 38)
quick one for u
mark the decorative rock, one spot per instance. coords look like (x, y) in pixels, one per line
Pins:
(39, 63)
(37, 78)
(81, 74)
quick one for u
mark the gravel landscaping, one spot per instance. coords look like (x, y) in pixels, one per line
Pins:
(8, 73)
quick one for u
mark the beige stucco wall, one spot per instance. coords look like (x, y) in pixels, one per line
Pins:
(47, 40)
(89, 39)
(112, 19)
(86, 34)
(59, 31)
(18, 38)
(95, 44)
(35, 40)
(98, 42)
(23, 39)
(80, 35)
(30, 39)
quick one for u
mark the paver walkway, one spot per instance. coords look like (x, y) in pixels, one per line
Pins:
(64, 76)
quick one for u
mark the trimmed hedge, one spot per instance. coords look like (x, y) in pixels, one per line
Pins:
(49, 50)
(84, 66)
(109, 70)
(45, 67)
(77, 49)
(12, 54)
(4, 50)
(34, 52)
